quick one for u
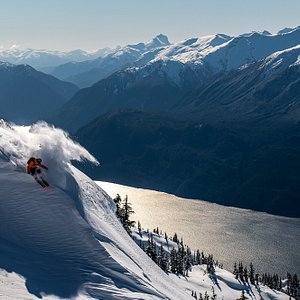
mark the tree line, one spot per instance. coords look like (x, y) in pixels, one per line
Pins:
(180, 259)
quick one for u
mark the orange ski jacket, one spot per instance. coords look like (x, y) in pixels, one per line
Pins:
(34, 164)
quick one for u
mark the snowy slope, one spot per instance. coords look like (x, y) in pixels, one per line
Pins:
(281, 60)
(193, 49)
(222, 51)
(198, 280)
(209, 55)
(12, 287)
(66, 239)
(225, 285)
(247, 49)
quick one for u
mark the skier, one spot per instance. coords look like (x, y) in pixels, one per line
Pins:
(34, 166)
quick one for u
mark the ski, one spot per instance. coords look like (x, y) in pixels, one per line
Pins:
(45, 182)
(41, 183)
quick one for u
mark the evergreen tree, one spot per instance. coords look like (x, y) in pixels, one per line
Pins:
(210, 264)
(198, 258)
(167, 240)
(162, 259)
(235, 271)
(206, 297)
(126, 212)
(295, 281)
(139, 228)
(151, 249)
(175, 238)
(245, 274)
(241, 271)
(123, 212)
(251, 274)
(173, 261)
(243, 296)
(188, 259)
(214, 295)
(180, 261)
(117, 201)
(280, 284)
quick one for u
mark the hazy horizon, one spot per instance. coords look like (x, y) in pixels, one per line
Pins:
(89, 25)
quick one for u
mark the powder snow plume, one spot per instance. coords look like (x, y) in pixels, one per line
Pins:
(53, 145)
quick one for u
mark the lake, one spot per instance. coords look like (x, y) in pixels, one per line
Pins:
(231, 234)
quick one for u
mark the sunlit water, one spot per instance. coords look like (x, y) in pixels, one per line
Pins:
(271, 242)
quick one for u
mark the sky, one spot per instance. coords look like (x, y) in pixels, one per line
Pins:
(93, 24)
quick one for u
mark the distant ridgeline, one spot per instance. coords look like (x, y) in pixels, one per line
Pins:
(173, 256)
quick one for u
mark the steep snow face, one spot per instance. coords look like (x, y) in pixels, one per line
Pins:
(246, 49)
(177, 60)
(192, 50)
(282, 59)
(287, 30)
(212, 54)
(65, 240)
(157, 42)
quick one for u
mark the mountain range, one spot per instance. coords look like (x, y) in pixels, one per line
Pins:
(27, 95)
(189, 116)
(263, 91)
(86, 73)
(215, 53)
(46, 60)
(176, 70)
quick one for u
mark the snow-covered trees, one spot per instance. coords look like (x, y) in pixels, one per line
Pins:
(124, 211)
(243, 296)
(172, 255)
(290, 285)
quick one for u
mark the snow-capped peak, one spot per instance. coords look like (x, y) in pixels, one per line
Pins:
(40, 58)
(191, 50)
(264, 32)
(282, 59)
(287, 30)
(159, 41)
